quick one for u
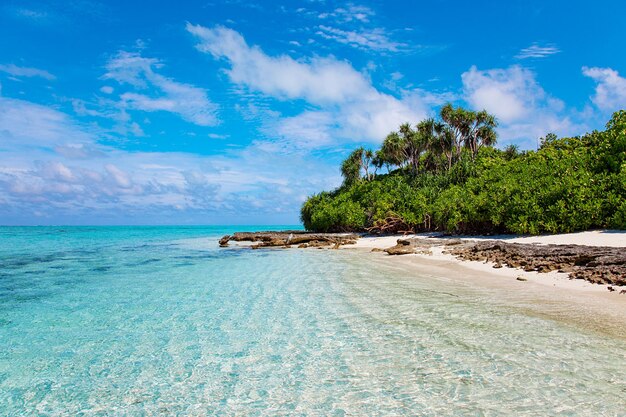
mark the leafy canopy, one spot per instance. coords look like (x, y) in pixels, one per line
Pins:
(446, 175)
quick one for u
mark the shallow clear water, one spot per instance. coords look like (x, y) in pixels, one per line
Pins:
(149, 321)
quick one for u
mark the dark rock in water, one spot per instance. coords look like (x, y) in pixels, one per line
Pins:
(610, 289)
(286, 239)
(521, 279)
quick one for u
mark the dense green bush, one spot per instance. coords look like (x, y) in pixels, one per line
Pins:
(567, 185)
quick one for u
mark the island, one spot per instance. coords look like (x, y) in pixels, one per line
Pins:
(443, 178)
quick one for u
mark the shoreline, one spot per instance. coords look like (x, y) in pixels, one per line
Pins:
(562, 273)
(616, 239)
(549, 294)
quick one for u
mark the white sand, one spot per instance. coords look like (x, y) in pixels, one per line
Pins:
(552, 279)
(551, 294)
(613, 238)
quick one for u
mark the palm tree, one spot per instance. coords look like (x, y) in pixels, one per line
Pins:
(412, 146)
(360, 159)
(455, 119)
(481, 131)
(351, 167)
(391, 151)
(468, 128)
(511, 152)
(437, 138)
(367, 160)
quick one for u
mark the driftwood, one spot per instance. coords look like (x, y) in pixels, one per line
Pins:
(290, 238)
(390, 225)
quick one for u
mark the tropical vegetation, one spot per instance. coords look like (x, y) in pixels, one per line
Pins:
(446, 174)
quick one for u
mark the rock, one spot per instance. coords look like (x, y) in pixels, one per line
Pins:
(622, 292)
(290, 238)
(603, 265)
(521, 278)
(610, 289)
(420, 245)
(400, 249)
(497, 265)
(377, 250)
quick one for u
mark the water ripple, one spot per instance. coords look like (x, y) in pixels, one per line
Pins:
(184, 328)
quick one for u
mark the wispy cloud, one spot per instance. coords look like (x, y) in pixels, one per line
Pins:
(189, 102)
(24, 124)
(30, 14)
(57, 13)
(16, 71)
(537, 51)
(349, 13)
(355, 25)
(368, 39)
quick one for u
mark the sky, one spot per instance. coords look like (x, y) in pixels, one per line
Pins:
(233, 112)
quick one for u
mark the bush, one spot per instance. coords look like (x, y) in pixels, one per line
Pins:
(569, 184)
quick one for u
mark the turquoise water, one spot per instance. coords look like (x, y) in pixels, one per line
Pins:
(159, 321)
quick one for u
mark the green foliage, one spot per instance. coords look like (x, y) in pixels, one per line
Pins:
(569, 184)
(358, 165)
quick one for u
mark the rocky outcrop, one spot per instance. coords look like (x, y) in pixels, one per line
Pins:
(602, 265)
(419, 245)
(290, 238)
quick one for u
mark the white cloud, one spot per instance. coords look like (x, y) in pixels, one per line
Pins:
(537, 51)
(217, 136)
(509, 93)
(66, 173)
(106, 89)
(16, 71)
(25, 124)
(348, 104)
(308, 130)
(525, 111)
(370, 39)
(319, 81)
(189, 102)
(349, 13)
(610, 94)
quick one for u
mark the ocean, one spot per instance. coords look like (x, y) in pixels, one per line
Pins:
(142, 321)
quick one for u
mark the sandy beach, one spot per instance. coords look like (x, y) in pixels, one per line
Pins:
(611, 238)
(599, 307)
(550, 279)
(553, 293)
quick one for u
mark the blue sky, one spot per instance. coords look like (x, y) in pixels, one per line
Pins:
(232, 112)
